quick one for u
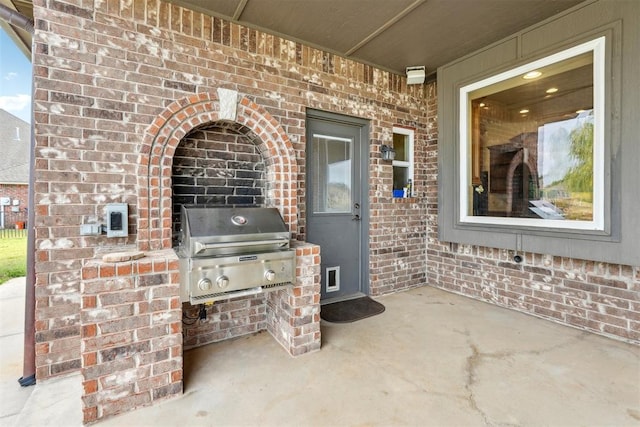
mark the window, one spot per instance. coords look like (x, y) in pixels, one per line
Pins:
(606, 229)
(532, 143)
(403, 182)
(332, 173)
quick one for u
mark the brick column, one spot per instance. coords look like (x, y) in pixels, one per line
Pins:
(293, 314)
(131, 334)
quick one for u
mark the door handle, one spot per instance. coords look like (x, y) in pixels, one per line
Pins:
(356, 217)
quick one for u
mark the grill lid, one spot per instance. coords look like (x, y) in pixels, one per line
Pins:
(232, 221)
(211, 231)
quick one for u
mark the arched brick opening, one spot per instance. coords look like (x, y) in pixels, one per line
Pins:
(518, 159)
(217, 164)
(148, 330)
(166, 132)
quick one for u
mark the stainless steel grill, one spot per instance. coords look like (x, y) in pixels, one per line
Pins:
(232, 251)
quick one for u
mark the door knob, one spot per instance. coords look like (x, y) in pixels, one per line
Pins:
(356, 217)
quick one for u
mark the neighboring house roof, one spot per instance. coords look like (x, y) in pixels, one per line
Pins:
(15, 145)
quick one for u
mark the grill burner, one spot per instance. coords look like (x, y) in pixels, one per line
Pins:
(227, 252)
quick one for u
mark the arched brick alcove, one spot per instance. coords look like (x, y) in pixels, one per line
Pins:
(519, 160)
(131, 310)
(178, 119)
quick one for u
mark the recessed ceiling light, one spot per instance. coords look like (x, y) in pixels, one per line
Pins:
(524, 111)
(552, 90)
(532, 75)
(482, 104)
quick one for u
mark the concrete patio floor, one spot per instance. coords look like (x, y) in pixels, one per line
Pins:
(432, 358)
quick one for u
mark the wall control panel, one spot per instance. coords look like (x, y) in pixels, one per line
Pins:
(117, 220)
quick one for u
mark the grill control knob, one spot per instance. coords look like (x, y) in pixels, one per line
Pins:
(270, 275)
(222, 282)
(205, 284)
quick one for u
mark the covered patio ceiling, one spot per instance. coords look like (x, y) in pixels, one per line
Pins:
(388, 34)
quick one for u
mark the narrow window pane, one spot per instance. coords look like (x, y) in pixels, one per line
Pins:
(332, 174)
(532, 144)
(400, 177)
(403, 182)
(400, 143)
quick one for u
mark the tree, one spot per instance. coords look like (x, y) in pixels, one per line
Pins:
(579, 177)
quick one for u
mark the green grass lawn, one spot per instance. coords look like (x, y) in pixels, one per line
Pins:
(13, 258)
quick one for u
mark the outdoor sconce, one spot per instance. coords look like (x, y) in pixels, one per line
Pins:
(415, 75)
(388, 153)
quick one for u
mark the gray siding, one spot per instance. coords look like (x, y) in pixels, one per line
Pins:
(619, 21)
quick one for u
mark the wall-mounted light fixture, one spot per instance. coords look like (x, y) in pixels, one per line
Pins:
(415, 75)
(388, 153)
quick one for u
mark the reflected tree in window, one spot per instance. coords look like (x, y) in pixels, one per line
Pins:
(579, 178)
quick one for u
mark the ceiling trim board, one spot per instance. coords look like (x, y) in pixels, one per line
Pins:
(384, 27)
(239, 10)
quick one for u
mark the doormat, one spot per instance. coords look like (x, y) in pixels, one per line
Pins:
(350, 310)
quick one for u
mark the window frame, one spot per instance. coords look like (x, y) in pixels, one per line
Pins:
(407, 164)
(618, 244)
(326, 210)
(465, 188)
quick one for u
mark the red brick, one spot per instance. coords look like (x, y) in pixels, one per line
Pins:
(89, 415)
(89, 302)
(89, 273)
(89, 359)
(89, 330)
(124, 269)
(145, 267)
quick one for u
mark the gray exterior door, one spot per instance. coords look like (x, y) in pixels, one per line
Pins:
(337, 217)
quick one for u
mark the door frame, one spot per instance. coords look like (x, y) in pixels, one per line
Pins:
(363, 126)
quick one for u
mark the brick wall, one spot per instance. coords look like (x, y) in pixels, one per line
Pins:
(398, 248)
(293, 315)
(598, 297)
(224, 319)
(131, 334)
(14, 213)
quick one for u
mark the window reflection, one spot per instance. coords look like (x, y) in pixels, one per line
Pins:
(332, 174)
(532, 144)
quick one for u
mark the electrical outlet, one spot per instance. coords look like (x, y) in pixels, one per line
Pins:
(90, 229)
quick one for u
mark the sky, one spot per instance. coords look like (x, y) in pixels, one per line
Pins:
(554, 150)
(15, 79)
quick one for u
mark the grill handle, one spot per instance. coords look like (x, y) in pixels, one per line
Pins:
(199, 246)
